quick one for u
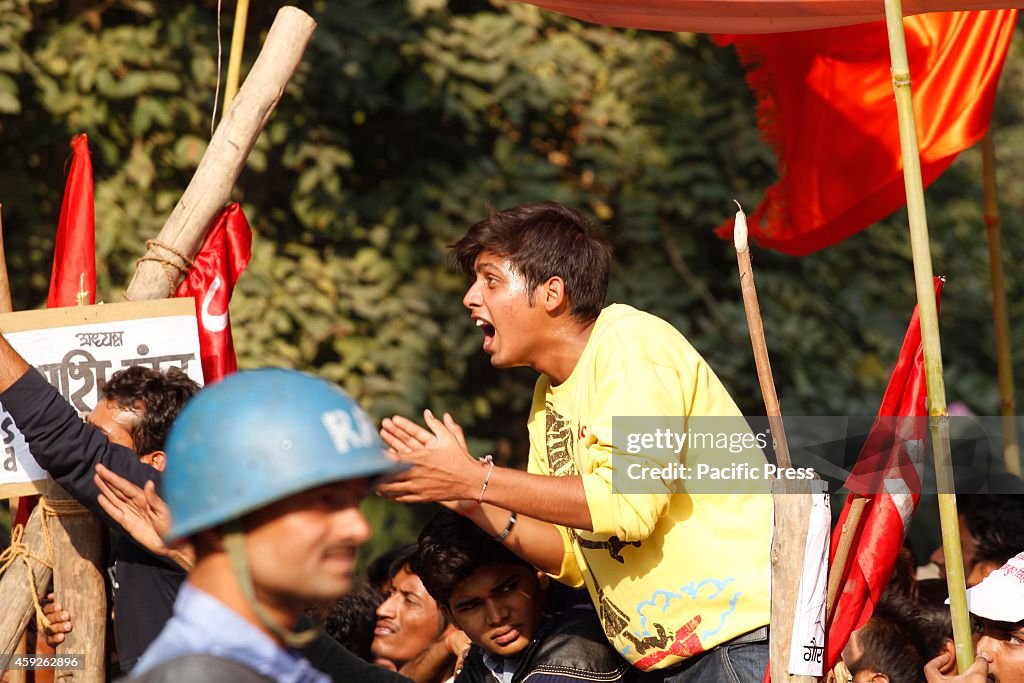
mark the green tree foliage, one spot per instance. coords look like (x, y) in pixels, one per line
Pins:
(406, 121)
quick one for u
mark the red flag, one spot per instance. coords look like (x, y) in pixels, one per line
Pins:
(888, 473)
(74, 254)
(826, 106)
(211, 280)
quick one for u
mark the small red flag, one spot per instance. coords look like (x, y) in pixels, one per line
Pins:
(888, 472)
(211, 280)
(74, 254)
(826, 106)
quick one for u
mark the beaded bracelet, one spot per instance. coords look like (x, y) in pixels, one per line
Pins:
(486, 460)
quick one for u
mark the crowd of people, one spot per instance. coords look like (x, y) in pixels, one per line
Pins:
(237, 509)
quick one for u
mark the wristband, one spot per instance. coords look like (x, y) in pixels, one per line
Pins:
(486, 460)
(508, 527)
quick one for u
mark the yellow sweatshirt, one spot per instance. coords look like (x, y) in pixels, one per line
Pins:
(672, 572)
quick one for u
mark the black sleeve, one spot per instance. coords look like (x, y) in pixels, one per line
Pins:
(330, 657)
(64, 445)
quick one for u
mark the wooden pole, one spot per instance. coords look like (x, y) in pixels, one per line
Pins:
(1000, 317)
(5, 284)
(78, 554)
(757, 341)
(927, 309)
(838, 568)
(792, 500)
(210, 188)
(235, 59)
(15, 587)
(6, 306)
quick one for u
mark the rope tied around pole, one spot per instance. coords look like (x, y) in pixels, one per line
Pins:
(18, 549)
(175, 264)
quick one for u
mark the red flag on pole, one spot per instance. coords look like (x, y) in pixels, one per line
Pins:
(211, 280)
(74, 253)
(888, 472)
(73, 278)
(826, 106)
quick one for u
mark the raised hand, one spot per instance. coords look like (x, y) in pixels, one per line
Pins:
(442, 470)
(141, 513)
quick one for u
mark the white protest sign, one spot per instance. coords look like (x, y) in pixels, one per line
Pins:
(77, 349)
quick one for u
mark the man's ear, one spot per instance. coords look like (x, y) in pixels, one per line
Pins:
(158, 460)
(543, 579)
(878, 677)
(552, 294)
(949, 648)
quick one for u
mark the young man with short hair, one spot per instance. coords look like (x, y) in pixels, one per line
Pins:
(409, 620)
(265, 476)
(998, 601)
(500, 602)
(675, 571)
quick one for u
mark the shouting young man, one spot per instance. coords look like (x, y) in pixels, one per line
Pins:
(679, 575)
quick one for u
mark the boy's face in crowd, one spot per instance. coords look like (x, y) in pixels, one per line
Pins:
(117, 423)
(1004, 643)
(302, 550)
(500, 607)
(408, 620)
(499, 302)
(114, 421)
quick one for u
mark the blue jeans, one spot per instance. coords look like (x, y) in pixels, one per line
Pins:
(741, 660)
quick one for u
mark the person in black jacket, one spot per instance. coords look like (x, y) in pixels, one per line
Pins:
(500, 602)
(126, 431)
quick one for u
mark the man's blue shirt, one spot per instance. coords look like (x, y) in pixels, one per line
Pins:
(203, 625)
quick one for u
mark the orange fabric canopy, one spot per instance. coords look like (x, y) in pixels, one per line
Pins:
(749, 16)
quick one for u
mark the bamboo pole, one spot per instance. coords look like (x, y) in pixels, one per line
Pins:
(160, 270)
(924, 282)
(235, 59)
(792, 500)
(1000, 317)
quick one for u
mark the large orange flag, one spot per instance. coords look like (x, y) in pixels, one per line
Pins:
(826, 106)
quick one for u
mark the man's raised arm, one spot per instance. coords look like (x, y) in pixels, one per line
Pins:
(61, 443)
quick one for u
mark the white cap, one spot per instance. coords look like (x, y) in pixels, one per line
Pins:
(1000, 597)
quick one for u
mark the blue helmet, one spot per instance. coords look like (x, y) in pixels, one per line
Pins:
(258, 437)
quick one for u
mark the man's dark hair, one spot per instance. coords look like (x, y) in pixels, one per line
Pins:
(541, 241)
(404, 558)
(888, 647)
(934, 620)
(451, 549)
(997, 523)
(156, 397)
(378, 571)
(351, 619)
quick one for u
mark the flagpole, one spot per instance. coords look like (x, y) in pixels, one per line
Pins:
(1004, 361)
(923, 279)
(792, 501)
(235, 58)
